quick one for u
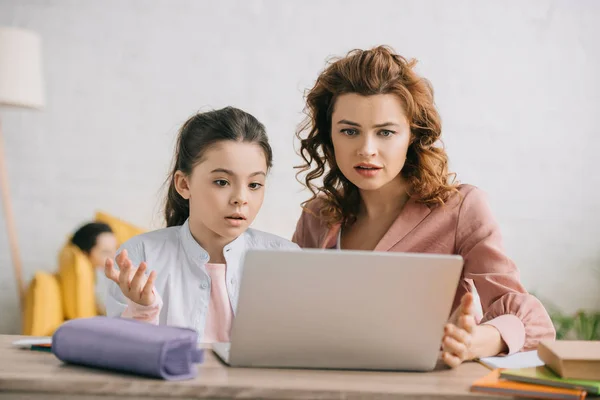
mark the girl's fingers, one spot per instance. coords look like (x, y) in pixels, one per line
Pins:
(148, 291)
(110, 271)
(138, 281)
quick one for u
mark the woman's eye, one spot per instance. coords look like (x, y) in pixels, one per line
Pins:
(221, 182)
(255, 185)
(386, 133)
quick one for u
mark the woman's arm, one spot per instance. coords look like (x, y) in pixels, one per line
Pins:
(519, 318)
(309, 228)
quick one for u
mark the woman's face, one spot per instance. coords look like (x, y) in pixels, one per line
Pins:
(370, 136)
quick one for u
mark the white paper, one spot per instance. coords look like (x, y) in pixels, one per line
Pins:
(524, 359)
(33, 341)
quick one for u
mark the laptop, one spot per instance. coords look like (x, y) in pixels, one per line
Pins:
(332, 309)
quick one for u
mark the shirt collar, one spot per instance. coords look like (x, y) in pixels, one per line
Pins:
(197, 253)
(190, 246)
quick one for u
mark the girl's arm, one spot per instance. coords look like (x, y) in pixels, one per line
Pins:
(148, 314)
(117, 303)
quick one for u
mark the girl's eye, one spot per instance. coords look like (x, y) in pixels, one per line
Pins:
(349, 132)
(255, 185)
(221, 182)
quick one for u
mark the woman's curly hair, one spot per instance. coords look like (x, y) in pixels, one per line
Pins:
(370, 72)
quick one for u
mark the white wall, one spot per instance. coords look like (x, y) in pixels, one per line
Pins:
(516, 83)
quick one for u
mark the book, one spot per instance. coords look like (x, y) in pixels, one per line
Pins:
(545, 376)
(493, 384)
(572, 359)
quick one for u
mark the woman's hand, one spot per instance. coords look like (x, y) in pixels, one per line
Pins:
(134, 283)
(465, 340)
(458, 334)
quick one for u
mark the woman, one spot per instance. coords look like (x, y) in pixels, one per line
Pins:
(372, 135)
(98, 242)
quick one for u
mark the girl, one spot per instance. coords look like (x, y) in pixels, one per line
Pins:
(372, 134)
(216, 189)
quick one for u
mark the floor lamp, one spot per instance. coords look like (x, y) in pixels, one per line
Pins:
(21, 86)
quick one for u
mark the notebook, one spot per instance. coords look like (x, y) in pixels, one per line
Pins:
(518, 360)
(34, 343)
(544, 376)
(573, 359)
(492, 384)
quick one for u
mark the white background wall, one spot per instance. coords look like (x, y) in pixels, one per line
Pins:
(516, 84)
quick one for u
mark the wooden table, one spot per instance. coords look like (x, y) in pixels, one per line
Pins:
(26, 374)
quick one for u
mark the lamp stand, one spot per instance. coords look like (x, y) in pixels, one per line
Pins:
(10, 223)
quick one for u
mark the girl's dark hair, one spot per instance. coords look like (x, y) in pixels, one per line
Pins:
(196, 136)
(85, 237)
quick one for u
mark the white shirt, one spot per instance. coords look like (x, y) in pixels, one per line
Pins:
(182, 280)
(100, 287)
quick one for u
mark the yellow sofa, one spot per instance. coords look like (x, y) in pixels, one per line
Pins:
(123, 230)
(42, 312)
(52, 299)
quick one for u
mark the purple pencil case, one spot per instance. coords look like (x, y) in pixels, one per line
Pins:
(130, 346)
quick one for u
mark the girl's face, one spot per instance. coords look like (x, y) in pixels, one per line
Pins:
(370, 136)
(226, 188)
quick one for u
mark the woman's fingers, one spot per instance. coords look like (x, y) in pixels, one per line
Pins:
(455, 347)
(451, 360)
(458, 334)
(466, 304)
(467, 323)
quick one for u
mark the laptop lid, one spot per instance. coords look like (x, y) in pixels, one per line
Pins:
(343, 309)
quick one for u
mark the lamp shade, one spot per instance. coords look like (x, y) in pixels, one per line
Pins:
(21, 81)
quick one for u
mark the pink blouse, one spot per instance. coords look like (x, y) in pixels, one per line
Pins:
(465, 226)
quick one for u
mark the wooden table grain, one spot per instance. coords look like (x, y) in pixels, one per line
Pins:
(26, 374)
